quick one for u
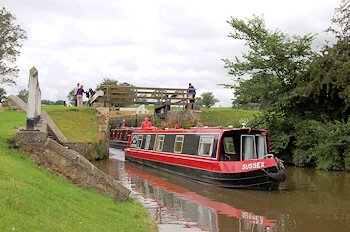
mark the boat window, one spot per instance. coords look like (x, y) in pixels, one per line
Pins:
(126, 135)
(119, 135)
(261, 148)
(205, 147)
(228, 146)
(179, 141)
(139, 141)
(147, 142)
(160, 142)
(248, 147)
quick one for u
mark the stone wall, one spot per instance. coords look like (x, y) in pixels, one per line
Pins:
(88, 150)
(177, 117)
(72, 166)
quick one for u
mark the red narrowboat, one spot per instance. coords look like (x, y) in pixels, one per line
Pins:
(225, 157)
(118, 138)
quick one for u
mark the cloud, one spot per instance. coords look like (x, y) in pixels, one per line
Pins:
(150, 43)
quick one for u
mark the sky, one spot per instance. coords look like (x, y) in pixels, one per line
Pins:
(153, 43)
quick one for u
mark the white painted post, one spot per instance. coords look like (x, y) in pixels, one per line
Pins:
(38, 103)
(31, 104)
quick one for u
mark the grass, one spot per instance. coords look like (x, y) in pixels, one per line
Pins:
(78, 124)
(32, 199)
(225, 116)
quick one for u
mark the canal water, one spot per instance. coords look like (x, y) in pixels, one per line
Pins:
(309, 200)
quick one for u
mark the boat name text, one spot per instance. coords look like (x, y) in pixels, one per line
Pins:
(253, 165)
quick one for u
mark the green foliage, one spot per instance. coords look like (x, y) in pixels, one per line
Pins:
(71, 95)
(101, 151)
(106, 81)
(23, 94)
(323, 145)
(122, 102)
(156, 121)
(273, 62)
(188, 123)
(2, 95)
(32, 199)
(48, 102)
(11, 38)
(304, 96)
(206, 99)
(341, 21)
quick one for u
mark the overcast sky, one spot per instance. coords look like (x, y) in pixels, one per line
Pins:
(147, 43)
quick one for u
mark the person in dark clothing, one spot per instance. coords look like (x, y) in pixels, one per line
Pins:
(80, 93)
(192, 92)
(122, 124)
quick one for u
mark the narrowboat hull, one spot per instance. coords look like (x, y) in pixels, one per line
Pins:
(262, 179)
(117, 144)
(229, 158)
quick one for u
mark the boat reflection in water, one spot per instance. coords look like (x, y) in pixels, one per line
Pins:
(177, 203)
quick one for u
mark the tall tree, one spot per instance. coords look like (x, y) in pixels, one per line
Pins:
(11, 38)
(304, 96)
(267, 72)
(322, 139)
(207, 99)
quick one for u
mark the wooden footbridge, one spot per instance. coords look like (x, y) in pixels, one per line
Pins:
(125, 95)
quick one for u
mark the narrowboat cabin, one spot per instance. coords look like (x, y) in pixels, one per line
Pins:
(225, 157)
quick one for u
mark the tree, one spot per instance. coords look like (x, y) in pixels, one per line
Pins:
(106, 81)
(304, 95)
(341, 21)
(206, 99)
(267, 72)
(322, 140)
(23, 94)
(123, 101)
(2, 95)
(71, 95)
(11, 38)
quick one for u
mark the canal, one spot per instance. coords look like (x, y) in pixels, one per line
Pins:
(309, 200)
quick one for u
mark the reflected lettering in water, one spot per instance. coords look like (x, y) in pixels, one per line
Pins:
(173, 203)
(309, 200)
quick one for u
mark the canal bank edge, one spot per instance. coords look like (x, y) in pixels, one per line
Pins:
(69, 164)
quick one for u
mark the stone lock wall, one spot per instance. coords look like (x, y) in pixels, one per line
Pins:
(72, 166)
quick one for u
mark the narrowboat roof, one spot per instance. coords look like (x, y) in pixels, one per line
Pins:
(194, 130)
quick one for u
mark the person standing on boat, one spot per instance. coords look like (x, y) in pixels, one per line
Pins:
(122, 124)
(146, 123)
(192, 92)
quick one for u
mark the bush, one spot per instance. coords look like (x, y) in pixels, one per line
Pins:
(323, 145)
(188, 123)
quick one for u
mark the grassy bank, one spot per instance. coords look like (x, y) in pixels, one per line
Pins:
(32, 199)
(225, 116)
(78, 124)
